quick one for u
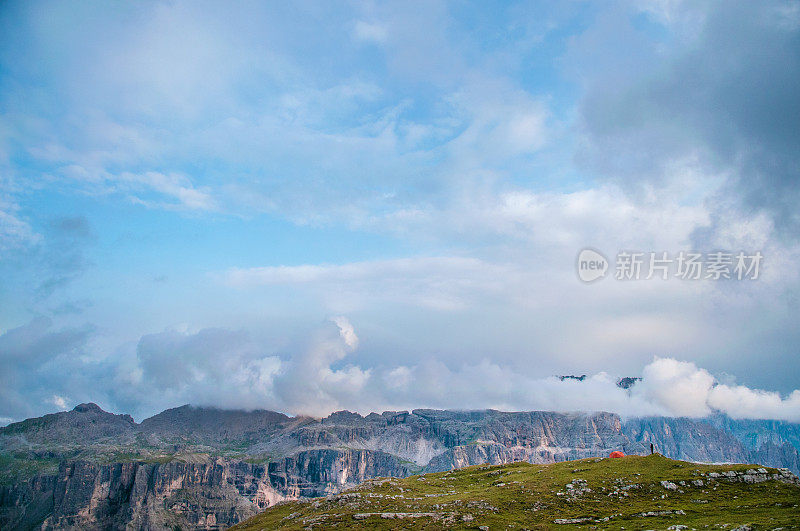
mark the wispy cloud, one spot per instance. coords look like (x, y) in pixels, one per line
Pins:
(174, 186)
(14, 232)
(436, 282)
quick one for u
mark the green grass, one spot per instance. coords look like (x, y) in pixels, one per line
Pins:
(14, 467)
(526, 496)
(17, 467)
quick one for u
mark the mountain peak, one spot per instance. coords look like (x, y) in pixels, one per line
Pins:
(87, 407)
(342, 416)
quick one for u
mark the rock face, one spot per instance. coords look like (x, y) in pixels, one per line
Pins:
(202, 468)
(213, 494)
(720, 440)
(687, 439)
(536, 437)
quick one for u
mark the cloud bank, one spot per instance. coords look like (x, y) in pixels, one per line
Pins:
(222, 368)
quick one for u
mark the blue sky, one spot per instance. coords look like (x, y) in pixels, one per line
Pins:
(206, 202)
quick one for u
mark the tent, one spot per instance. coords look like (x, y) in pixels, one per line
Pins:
(616, 453)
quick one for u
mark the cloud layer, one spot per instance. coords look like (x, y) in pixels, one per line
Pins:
(723, 100)
(226, 369)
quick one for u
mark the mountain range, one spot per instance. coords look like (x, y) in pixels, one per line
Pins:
(206, 468)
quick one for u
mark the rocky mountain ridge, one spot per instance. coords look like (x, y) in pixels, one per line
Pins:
(194, 467)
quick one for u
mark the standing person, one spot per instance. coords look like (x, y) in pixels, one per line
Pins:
(652, 448)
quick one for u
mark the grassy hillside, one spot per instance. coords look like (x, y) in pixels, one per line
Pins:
(630, 493)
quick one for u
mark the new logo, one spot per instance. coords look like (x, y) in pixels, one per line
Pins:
(591, 265)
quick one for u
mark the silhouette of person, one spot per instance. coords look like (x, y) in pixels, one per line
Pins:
(652, 448)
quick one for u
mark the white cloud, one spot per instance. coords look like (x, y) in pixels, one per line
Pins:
(347, 331)
(679, 387)
(14, 232)
(398, 378)
(497, 122)
(172, 185)
(60, 402)
(743, 402)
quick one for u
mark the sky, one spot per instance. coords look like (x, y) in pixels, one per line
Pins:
(315, 206)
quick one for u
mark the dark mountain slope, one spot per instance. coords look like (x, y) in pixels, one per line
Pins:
(84, 424)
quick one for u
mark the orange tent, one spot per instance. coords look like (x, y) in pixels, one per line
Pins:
(616, 453)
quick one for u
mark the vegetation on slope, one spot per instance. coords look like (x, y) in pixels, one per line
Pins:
(634, 492)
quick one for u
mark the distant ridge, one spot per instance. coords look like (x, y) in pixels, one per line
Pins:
(235, 463)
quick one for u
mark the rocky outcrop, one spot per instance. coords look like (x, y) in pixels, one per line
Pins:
(627, 382)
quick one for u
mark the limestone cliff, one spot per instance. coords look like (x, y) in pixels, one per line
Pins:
(213, 493)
